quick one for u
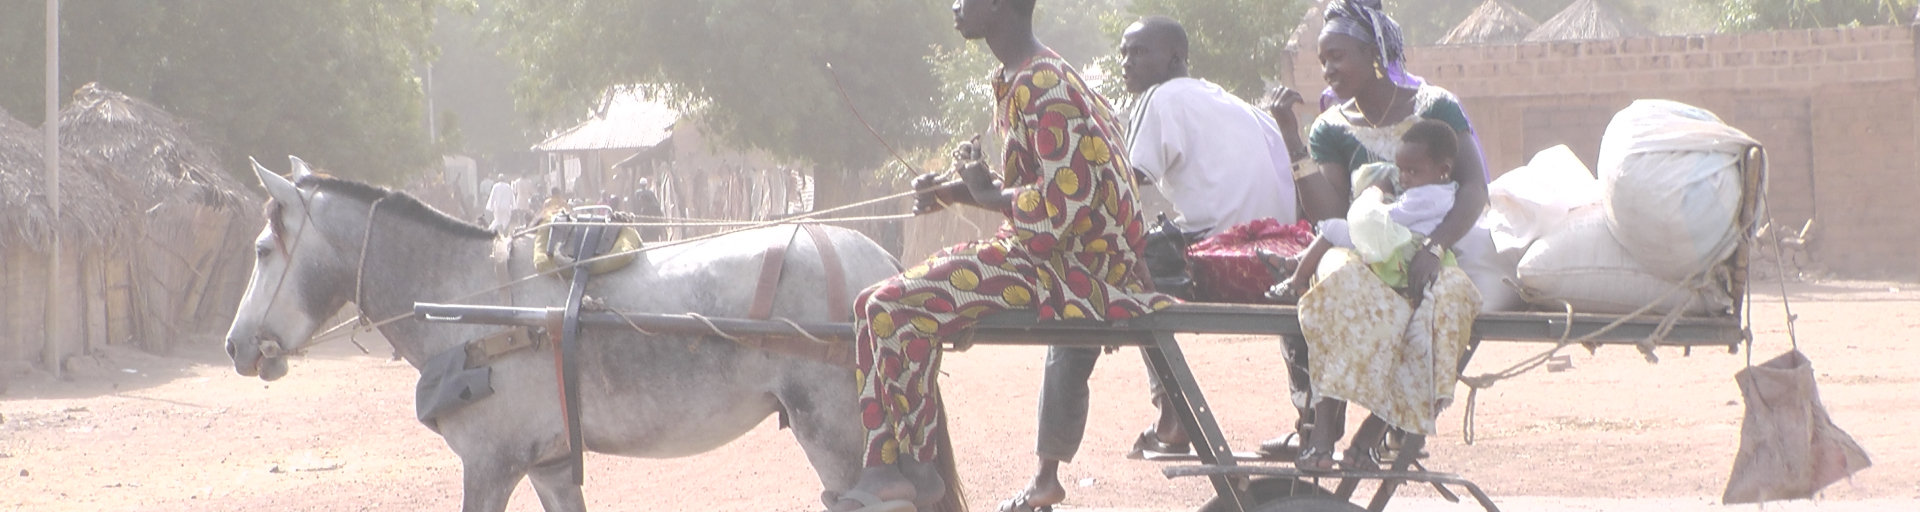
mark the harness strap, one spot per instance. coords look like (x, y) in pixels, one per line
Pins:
(841, 306)
(772, 264)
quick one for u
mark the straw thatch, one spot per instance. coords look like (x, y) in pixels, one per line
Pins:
(91, 209)
(144, 143)
(1494, 22)
(1588, 20)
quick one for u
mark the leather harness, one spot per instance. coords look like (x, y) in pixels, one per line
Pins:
(840, 304)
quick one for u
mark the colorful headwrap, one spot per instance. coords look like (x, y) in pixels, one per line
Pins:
(1367, 21)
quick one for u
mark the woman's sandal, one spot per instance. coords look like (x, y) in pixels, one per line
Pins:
(1360, 458)
(1314, 460)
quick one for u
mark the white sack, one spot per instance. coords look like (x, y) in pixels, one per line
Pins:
(1533, 200)
(1489, 271)
(1670, 179)
(1582, 264)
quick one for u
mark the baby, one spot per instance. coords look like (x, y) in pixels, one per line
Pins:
(1425, 162)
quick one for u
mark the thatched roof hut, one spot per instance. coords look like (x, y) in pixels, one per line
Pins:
(1588, 20)
(1494, 22)
(91, 207)
(146, 144)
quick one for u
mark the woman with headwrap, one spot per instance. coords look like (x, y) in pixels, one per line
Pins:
(1392, 351)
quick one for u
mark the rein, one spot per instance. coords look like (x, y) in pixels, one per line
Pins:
(361, 321)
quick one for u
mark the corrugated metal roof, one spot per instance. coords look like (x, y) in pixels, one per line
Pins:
(631, 121)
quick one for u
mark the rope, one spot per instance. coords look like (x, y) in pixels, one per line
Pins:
(722, 223)
(1487, 380)
(536, 275)
(716, 329)
(802, 332)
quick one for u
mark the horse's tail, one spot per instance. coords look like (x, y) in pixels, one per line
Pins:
(955, 499)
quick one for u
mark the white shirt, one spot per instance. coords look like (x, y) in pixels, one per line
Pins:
(1219, 159)
(500, 201)
(1419, 209)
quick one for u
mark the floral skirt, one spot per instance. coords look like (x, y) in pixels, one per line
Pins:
(1368, 345)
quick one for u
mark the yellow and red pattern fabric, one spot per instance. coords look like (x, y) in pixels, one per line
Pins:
(1070, 249)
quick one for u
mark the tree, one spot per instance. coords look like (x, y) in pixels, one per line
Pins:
(329, 81)
(754, 72)
(1753, 15)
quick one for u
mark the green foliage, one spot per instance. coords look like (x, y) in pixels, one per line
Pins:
(1235, 43)
(332, 82)
(755, 72)
(1753, 15)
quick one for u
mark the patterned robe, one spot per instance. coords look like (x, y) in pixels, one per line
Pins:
(1070, 250)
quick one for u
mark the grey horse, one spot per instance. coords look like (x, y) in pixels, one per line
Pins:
(331, 241)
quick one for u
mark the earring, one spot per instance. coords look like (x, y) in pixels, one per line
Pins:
(1379, 71)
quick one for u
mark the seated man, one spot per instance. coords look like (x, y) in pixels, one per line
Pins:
(1070, 250)
(1221, 162)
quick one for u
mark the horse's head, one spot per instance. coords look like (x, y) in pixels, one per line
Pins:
(301, 275)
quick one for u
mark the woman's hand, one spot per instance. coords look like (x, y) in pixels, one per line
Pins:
(1421, 274)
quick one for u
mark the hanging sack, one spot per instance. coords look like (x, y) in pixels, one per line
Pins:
(1789, 448)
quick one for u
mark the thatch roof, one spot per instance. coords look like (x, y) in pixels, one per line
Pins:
(630, 121)
(1494, 22)
(146, 144)
(1588, 20)
(92, 209)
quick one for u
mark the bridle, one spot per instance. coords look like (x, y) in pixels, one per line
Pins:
(273, 348)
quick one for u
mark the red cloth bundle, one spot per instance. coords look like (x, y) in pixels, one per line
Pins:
(1226, 269)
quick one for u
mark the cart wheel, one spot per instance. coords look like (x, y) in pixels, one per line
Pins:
(1313, 503)
(1267, 489)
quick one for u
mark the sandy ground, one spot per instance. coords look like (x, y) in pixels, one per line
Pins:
(1613, 432)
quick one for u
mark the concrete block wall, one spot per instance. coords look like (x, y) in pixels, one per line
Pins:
(1836, 109)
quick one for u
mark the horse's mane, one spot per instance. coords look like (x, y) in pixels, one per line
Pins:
(396, 202)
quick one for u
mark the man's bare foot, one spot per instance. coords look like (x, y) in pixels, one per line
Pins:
(1043, 492)
(886, 483)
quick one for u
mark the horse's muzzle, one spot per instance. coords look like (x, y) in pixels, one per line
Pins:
(263, 357)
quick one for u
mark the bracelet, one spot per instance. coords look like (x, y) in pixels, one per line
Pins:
(1436, 248)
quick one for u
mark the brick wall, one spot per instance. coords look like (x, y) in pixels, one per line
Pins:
(1836, 109)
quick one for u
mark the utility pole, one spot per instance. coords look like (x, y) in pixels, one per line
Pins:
(50, 353)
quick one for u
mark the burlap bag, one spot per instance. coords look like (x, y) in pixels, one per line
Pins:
(1789, 448)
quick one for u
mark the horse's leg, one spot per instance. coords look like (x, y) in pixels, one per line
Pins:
(825, 419)
(487, 485)
(554, 484)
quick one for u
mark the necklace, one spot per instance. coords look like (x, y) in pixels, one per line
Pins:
(1390, 101)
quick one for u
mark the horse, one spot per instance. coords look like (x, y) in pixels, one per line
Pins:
(330, 241)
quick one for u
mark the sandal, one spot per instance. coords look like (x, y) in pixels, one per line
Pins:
(1360, 458)
(870, 503)
(1020, 504)
(1314, 460)
(1281, 448)
(1149, 441)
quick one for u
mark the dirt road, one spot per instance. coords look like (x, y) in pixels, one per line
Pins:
(139, 432)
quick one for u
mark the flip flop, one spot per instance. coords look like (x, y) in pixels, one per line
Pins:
(870, 503)
(1150, 442)
(1020, 504)
(1285, 447)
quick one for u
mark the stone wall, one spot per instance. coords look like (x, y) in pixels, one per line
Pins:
(1836, 109)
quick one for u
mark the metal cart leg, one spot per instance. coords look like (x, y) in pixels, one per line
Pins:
(1183, 392)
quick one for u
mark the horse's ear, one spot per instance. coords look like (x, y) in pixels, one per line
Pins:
(277, 187)
(300, 168)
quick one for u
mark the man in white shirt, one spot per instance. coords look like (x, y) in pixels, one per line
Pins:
(1221, 162)
(500, 203)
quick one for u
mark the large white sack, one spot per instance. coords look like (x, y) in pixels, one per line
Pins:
(1582, 264)
(1670, 179)
(1489, 271)
(1533, 200)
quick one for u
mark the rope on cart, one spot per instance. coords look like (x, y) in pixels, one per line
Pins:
(1487, 380)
